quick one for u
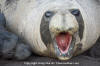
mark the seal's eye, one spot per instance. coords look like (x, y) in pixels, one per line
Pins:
(48, 14)
(75, 12)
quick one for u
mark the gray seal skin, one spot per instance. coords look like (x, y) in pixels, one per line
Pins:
(55, 28)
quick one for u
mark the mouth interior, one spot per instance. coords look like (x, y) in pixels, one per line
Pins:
(63, 41)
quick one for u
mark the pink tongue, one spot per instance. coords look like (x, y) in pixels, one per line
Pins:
(63, 41)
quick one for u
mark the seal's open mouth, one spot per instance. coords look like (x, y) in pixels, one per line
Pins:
(64, 44)
(63, 41)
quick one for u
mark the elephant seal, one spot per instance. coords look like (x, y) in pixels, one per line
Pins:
(54, 28)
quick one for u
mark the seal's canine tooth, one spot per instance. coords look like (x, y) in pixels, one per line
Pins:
(55, 28)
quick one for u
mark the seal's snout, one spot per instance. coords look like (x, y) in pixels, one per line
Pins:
(63, 23)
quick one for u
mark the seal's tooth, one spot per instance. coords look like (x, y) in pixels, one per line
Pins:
(63, 58)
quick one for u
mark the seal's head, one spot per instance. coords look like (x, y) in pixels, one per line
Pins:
(55, 28)
(60, 32)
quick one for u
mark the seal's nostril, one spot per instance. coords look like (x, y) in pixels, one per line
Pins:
(70, 29)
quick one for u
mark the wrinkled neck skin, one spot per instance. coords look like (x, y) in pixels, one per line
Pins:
(28, 13)
(93, 5)
(91, 18)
